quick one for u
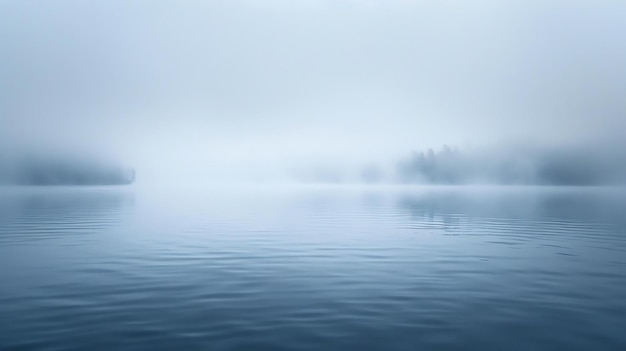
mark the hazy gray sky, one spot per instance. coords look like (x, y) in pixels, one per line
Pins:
(215, 81)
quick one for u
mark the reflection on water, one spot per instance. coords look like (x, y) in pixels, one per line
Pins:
(577, 204)
(327, 268)
(30, 214)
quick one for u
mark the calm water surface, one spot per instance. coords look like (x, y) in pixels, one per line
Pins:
(313, 269)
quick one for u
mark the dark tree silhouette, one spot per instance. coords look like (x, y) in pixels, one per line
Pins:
(574, 166)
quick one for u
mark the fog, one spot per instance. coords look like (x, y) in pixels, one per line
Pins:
(312, 90)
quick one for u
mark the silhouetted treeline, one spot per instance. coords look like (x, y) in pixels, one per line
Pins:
(58, 170)
(557, 166)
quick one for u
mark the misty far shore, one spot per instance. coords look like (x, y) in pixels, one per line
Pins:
(575, 166)
(515, 166)
(525, 165)
(62, 169)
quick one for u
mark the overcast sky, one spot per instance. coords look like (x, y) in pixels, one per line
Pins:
(237, 80)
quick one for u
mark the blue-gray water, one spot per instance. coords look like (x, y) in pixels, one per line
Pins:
(313, 269)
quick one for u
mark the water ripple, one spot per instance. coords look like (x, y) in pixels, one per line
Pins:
(96, 270)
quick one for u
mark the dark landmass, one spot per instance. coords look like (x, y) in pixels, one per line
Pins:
(588, 166)
(32, 170)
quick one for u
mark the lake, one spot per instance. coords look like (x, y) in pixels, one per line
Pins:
(312, 268)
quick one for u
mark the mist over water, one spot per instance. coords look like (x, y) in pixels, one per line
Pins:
(282, 91)
(312, 175)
